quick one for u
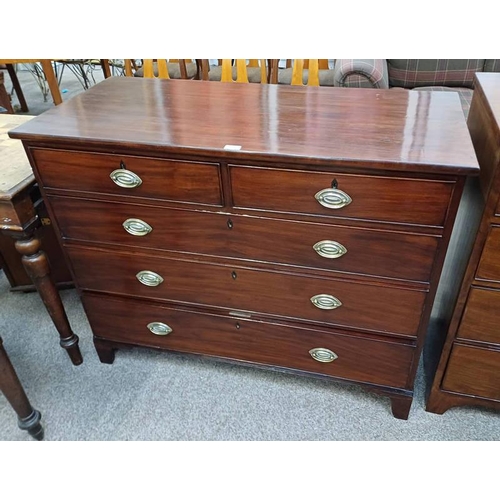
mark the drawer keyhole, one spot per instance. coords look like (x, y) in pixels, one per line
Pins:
(335, 184)
(122, 165)
(234, 275)
(229, 223)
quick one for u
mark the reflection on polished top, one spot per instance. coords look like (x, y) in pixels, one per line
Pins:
(413, 131)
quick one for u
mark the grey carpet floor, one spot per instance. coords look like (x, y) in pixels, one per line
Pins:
(148, 395)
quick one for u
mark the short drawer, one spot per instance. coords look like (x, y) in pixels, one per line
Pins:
(489, 265)
(481, 318)
(473, 371)
(376, 362)
(410, 201)
(326, 301)
(368, 252)
(135, 176)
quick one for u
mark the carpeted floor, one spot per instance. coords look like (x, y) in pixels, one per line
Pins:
(147, 395)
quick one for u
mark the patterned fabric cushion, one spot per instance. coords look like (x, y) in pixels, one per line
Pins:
(325, 77)
(174, 70)
(368, 73)
(492, 65)
(410, 73)
(465, 95)
(216, 72)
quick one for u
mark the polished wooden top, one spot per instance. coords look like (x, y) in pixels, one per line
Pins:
(15, 169)
(373, 129)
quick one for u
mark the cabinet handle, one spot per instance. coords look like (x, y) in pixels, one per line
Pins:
(330, 249)
(323, 355)
(125, 178)
(149, 278)
(159, 328)
(137, 227)
(333, 198)
(325, 301)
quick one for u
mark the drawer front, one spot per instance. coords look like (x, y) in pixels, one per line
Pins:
(481, 319)
(473, 371)
(369, 252)
(376, 362)
(489, 265)
(368, 197)
(377, 308)
(173, 180)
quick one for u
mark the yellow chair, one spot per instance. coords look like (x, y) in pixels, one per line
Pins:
(237, 70)
(163, 68)
(313, 72)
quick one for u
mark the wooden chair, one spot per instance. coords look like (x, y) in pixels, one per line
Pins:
(163, 68)
(238, 70)
(313, 72)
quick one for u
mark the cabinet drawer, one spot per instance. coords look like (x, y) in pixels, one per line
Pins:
(481, 319)
(489, 265)
(473, 371)
(374, 198)
(173, 180)
(369, 252)
(376, 362)
(370, 307)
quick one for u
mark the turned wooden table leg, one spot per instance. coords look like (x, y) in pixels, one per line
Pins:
(37, 266)
(28, 417)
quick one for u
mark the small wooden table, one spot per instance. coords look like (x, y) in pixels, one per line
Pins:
(18, 219)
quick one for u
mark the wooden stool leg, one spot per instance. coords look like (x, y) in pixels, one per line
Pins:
(28, 417)
(37, 266)
(17, 87)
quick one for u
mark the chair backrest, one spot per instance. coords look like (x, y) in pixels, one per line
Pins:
(148, 67)
(242, 66)
(312, 65)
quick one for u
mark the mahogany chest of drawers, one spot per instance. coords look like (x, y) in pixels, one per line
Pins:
(302, 229)
(468, 372)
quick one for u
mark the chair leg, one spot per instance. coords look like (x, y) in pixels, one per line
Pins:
(4, 96)
(28, 417)
(17, 87)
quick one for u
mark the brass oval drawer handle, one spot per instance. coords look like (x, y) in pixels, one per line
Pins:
(323, 355)
(137, 227)
(330, 249)
(149, 278)
(333, 198)
(125, 178)
(325, 301)
(159, 328)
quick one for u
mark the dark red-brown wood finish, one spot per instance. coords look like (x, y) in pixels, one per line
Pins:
(301, 229)
(467, 372)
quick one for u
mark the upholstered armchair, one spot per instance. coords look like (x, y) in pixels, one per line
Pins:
(455, 75)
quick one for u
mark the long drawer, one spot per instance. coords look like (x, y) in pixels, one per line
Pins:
(474, 371)
(365, 197)
(329, 301)
(489, 266)
(376, 362)
(134, 176)
(322, 246)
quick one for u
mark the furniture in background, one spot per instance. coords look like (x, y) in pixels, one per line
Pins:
(19, 221)
(468, 372)
(237, 70)
(28, 418)
(186, 69)
(5, 104)
(269, 225)
(314, 72)
(48, 71)
(455, 75)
